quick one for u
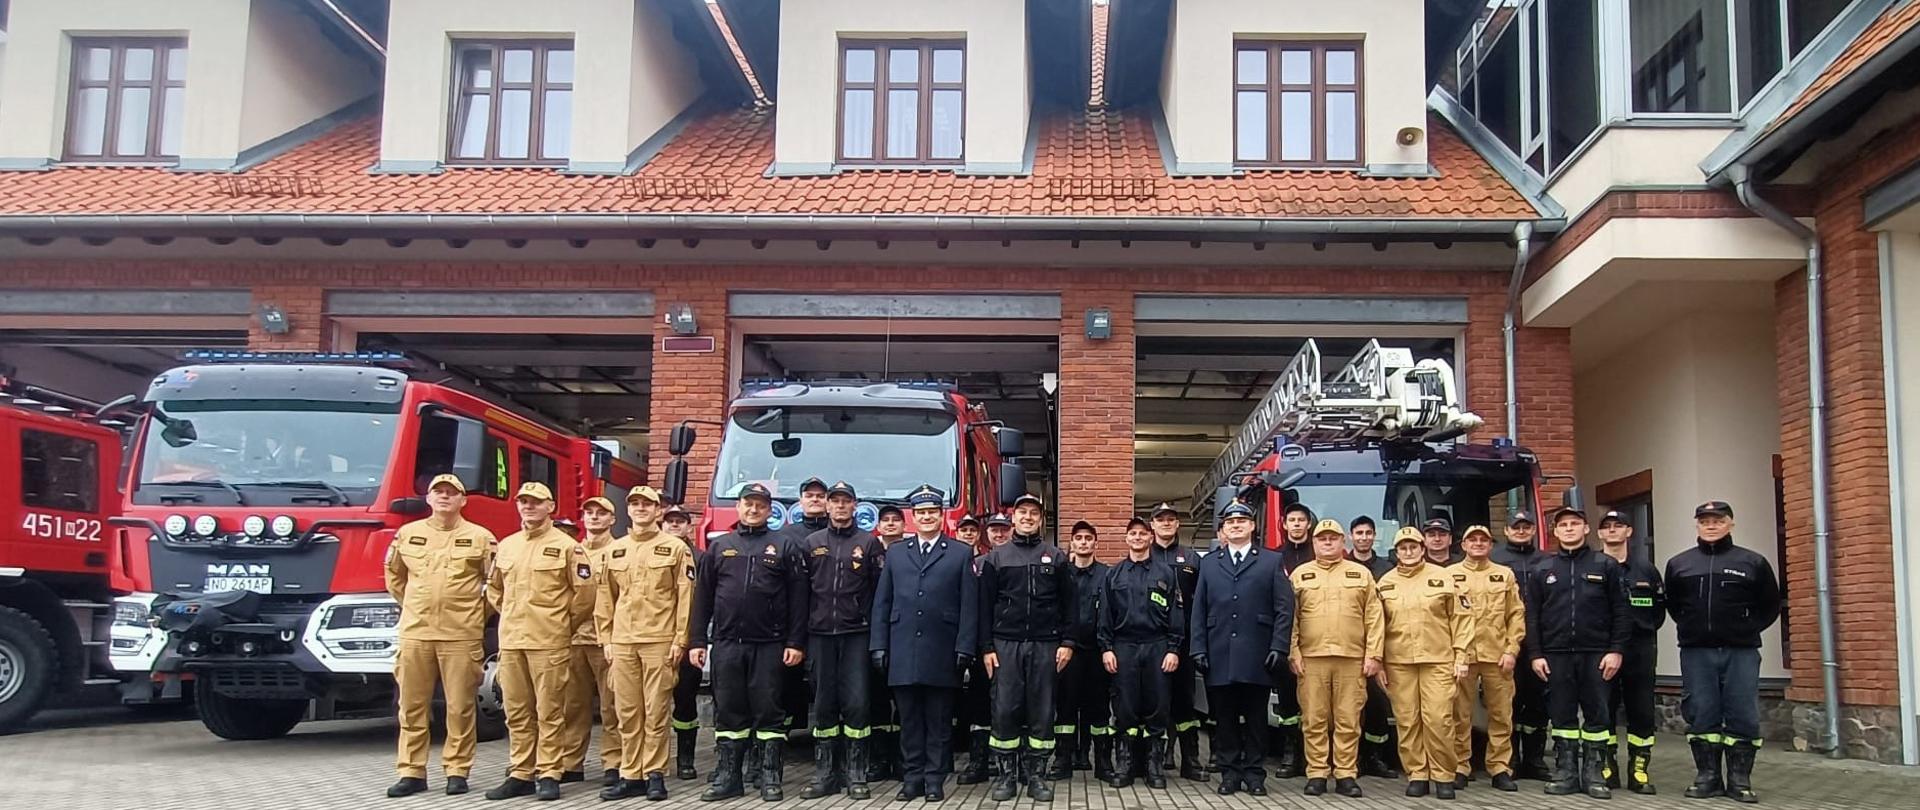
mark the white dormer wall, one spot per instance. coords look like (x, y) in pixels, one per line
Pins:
(1196, 90)
(257, 70)
(631, 77)
(999, 85)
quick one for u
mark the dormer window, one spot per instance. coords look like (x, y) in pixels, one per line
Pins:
(127, 100)
(902, 102)
(1296, 104)
(514, 103)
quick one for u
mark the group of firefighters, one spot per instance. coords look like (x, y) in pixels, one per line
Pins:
(1053, 661)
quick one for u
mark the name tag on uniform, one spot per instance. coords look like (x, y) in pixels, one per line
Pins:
(619, 552)
(1387, 587)
(662, 551)
(551, 552)
(1158, 599)
(1641, 601)
(416, 541)
(1304, 576)
(1353, 575)
(1642, 584)
(463, 541)
(819, 551)
(1734, 572)
(1459, 577)
(732, 552)
(1596, 578)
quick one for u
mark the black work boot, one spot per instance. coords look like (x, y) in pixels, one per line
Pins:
(570, 777)
(1566, 769)
(510, 788)
(822, 784)
(1290, 765)
(1190, 765)
(750, 765)
(624, 789)
(726, 771)
(1640, 769)
(456, 785)
(1740, 773)
(773, 769)
(656, 787)
(977, 759)
(1706, 770)
(1594, 775)
(1004, 788)
(1083, 751)
(1103, 758)
(1532, 750)
(1610, 764)
(684, 741)
(546, 789)
(1039, 788)
(1156, 772)
(407, 786)
(1121, 774)
(1373, 761)
(1062, 766)
(1348, 787)
(610, 777)
(856, 765)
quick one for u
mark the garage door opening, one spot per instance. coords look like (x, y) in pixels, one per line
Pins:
(103, 364)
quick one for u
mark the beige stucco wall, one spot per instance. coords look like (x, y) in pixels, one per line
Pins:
(616, 105)
(1198, 93)
(1904, 258)
(1629, 250)
(255, 70)
(1635, 156)
(999, 88)
(1659, 404)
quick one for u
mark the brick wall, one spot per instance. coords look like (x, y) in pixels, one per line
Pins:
(304, 308)
(1096, 415)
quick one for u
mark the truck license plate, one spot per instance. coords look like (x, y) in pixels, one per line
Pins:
(256, 584)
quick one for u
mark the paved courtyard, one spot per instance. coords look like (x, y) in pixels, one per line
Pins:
(111, 759)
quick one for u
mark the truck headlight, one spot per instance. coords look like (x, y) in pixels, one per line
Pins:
(128, 613)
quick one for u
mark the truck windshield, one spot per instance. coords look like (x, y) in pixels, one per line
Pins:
(884, 453)
(1406, 491)
(265, 451)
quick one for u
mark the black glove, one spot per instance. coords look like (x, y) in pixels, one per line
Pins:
(962, 661)
(879, 659)
(1276, 663)
(1200, 663)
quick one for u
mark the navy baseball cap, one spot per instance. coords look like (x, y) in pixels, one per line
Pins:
(1362, 520)
(839, 488)
(997, 519)
(1137, 520)
(1296, 506)
(1030, 498)
(885, 508)
(1519, 516)
(1437, 525)
(1615, 515)
(1164, 508)
(1081, 524)
(1567, 510)
(966, 519)
(756, 490)
(813, 483)
(1721, 508)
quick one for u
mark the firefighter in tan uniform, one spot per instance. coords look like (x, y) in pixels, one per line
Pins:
(437, 570)
(542, 586)
(587, 679)
(645, 600)
(1499, 625)
(1337, 633)
(1429, 627)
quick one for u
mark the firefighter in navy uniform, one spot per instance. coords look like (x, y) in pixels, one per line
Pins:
(686, 690)
(751, 590)
(1140, 629)
(808, 515)
(1577, 625)
(967, 716)
(1296, 550)
(1082, 732)
(844, 567)
(1520, 554)
(1722, 598)
(1378, 750)
(1436, 539)
(1026, 599)
(976, 697)
(1185, 720)
(1243, 623)
(1633, 689)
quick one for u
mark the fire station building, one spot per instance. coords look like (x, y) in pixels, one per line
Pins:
(1113, 222)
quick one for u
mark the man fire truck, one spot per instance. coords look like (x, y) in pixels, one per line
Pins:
(55, 564)
(263, 492)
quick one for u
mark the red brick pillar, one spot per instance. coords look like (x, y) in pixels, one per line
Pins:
(689, 386)
(1096, 418)
(304, 306)
(1543, 381)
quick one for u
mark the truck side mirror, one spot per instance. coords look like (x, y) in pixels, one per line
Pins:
(1010, 442)
(676, 483)
(469, 451)
(1221, 497)
(410, 507)
(1571, 497)
(680, 440)
(1013, 482)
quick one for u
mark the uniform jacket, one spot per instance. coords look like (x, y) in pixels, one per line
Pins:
(1378, 564)
(588, 635)
(1646, 598)
(1084, 630)
(1240, 613)
(799, 528)
(1139, 603)
(1499, 616)
(646, 590)
(1521, 560)
(1336, 611)
(439, 577)
(1721, 595)
(750, 586)
(843, 568)
(542, 586)
(1186, 571)
(1577, 602)
(926, 612)
(1026, 592)
(1429, 617)
(1293, 555)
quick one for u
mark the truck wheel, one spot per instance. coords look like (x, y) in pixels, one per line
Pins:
(489, 711)
(28, 665)
(238, 719)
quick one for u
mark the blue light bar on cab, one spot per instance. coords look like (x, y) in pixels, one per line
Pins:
(243, 356)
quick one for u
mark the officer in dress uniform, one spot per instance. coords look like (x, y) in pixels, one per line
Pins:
(843, 566)
(1180, 686)
(977, 697)
(890, 527)
(1521, 553)
(1378, 752)
(1429, 631)
(1577, 624)
(542, 587)
(1499, 625)
(925, 617)
(1336, 647)
(1632, 699)
(644, 611)
(1083, 735)
(436, 571)
(1141, 631)
(686, 689)
(1026, 598)
(751, 590)
(1243, 621)
(587, 682)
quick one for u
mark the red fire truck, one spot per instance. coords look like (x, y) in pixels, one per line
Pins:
(262, 493)
(55, 591)
(886, 439)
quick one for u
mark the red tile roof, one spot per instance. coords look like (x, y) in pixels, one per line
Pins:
(1092, 163)
(1890, 25)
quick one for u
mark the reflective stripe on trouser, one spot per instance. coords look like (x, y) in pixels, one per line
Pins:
(1423, 697)
(417, 668)
(585, 683)
(533, 684)
(1081, 698)
(643, 678)
(840, 671)
(747, 682)
(1286, 700)
(1494, 689)
(1631, 697)
(1333, 693)
(1720, 693)
(1023, 694)
(1141, 691)
(1577, 697)
(686, 696)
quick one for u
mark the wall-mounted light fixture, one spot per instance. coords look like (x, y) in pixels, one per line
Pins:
(1099, 324)
(680, 319)
(273, 320)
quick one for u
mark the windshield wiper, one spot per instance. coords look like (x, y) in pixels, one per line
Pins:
(333, 490)
(237, 497)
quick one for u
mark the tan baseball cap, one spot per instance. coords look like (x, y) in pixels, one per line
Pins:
(1329, 526)
(596, 500)
(449, 479)
(534, 490)
(1408, 534)
(643, 491)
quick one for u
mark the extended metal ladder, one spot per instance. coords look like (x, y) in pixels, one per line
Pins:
(1381, 395)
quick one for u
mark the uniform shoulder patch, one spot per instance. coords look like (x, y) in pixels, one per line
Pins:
(463, 541)
(584, 571)
(550, 551)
